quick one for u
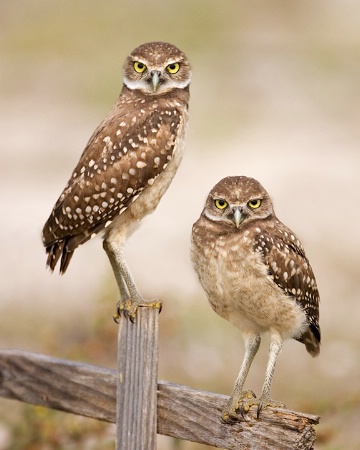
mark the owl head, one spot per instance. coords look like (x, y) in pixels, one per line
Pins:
(157, 68)
(237, 200)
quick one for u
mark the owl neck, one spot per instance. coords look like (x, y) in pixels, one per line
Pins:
(219, 228)
(181, 96)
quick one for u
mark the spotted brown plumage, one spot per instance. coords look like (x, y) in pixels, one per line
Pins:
(128, 163)
(289, 267)
(256, 275)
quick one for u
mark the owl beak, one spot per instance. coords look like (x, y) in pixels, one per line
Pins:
(155, 79)
(237, 217)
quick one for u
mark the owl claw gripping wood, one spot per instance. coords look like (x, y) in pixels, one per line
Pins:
(127, 165)
(256, 275)
(129, 309)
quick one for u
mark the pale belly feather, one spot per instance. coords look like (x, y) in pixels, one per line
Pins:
(245, 295)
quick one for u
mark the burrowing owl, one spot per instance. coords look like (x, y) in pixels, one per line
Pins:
(256, 275)
(127, 165)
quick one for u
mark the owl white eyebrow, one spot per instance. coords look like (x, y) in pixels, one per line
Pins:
(175, 61)
(133, 84)
(134, 60)
(180, 85)
(214, 217)
(216, 197)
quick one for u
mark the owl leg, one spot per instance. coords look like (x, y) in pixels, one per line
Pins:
(274, 351)
(131, 300)
(238, 397)
(124, 294)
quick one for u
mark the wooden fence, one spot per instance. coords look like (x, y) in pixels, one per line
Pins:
(140, 405)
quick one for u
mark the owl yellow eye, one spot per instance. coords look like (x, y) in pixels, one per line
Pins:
(173, 68)
(221, 204)
(139, 67)
(254, 203)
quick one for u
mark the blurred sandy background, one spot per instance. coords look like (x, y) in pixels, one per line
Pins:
(275, 95)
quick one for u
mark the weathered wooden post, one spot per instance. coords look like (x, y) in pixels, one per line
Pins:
(136, 399)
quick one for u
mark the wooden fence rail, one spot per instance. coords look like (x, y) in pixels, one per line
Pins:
(182, 412)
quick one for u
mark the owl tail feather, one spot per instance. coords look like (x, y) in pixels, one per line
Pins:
(65, 248)
(311, 340)
(54, 252)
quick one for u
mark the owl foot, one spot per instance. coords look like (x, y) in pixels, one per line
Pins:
(129, 308)
(243, 405)
(237, 404)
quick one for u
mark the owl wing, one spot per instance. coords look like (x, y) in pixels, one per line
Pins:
(290, 269)
(118, 163)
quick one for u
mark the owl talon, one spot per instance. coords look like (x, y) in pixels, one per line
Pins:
(242, 405)
(259, 409)
(261, 404)
(129, 308)
(243, 410)
(246, 402)
(116, 315)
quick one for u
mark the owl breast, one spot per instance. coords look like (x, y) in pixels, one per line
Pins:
(240, 290)
(147, 202)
